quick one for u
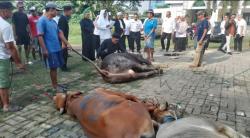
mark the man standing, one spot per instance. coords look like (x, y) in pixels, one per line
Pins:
(222, 33)
(33, 18)
(49, 35)
(120, 28)
(241, 32)
(167, 31)
(7, 50)
(87, 29)
(135, 28)
(202, 29)
(230, 31)
(211, 25)
(21, 30)
(63, 25)
(126, 31)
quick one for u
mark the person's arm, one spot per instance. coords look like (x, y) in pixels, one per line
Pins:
(8, 38)
(13, 52)
(41, 31)
(64, 40)
(204, 33)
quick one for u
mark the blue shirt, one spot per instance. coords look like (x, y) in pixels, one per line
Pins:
(200, 28)
(149, 25)
(50, 32)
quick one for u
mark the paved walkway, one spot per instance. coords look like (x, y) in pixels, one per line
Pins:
(219, 90)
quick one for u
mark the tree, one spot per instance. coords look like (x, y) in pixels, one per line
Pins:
(234, 7)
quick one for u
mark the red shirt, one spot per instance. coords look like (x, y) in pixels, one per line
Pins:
(32, 22)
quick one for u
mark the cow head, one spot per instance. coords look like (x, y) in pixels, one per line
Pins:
(61, 100)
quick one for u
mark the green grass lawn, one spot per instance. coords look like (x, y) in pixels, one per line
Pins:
(76, 40)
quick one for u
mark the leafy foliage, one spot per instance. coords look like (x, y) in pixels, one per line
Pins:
(94, 5)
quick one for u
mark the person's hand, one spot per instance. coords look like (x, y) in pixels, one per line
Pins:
(200, 42)
(69, 46)
(20, 66)
(145, 37)
(45, 53)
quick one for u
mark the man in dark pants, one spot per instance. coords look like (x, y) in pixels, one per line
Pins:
(223, 36)
(135, 33)
(22, 31)
(110, 46)
(63, 25)
(202, 29)
(167, 31)
(87, 29)
(241, 32)
(120, 28)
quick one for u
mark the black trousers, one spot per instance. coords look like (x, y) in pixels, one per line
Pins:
(180, 43)
(122, 42)
(238, 42)
(127, 37)
(207, 42)
(96, 42)
(223, 41)
(88, 48)
(163, 37)
(135, 37)
(65, 58)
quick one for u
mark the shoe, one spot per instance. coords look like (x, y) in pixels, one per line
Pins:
(222, 50)
(229, 53)
(192, 66)
(13, 108)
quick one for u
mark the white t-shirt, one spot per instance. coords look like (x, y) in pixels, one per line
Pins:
(135, 26)
(127, 24)
(168, 25)
(222, 27)
(181, 29)
(242, 24)
(6, 35)
(212, 24)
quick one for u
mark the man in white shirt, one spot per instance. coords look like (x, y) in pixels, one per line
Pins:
(167, 31)
(135, 28)
(241, 32)
(210, 31)
(126, 31)
(222, 33)
(7, 51)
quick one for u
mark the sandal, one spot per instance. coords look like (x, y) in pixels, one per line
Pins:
(61, 89)
(13, 108)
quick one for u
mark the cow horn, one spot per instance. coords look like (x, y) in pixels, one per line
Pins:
(61, 110)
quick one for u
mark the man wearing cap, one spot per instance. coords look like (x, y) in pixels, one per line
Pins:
(33, 18)
(202, 29)
(110, 46)
(63, 25)
(7, 51)
(120, 29)
(49, 35)
(22, 31)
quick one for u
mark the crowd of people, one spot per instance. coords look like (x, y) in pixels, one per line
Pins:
(47, 34)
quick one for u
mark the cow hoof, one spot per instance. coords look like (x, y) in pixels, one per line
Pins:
(161, 71)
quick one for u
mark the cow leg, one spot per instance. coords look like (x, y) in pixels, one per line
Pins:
(143, 68)
(127, 76)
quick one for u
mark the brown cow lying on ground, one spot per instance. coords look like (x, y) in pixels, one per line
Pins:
(107, 114)
(190, 127)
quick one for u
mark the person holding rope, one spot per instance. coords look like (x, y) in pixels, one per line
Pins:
(49, 35)
(150, 25)
(7, 51)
